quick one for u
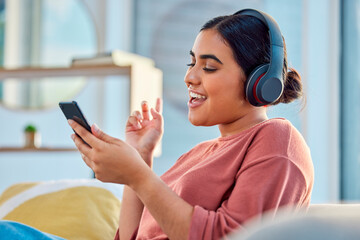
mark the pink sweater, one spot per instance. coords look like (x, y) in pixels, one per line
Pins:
(231, 179)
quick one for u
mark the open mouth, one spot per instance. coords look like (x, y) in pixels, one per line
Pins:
(196, 98)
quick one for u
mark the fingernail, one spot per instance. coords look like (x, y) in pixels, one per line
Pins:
(70, 121)
(73, 136)
(96, 128)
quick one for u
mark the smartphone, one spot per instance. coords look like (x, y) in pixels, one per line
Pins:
(72, 111)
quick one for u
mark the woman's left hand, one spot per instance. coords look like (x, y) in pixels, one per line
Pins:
(111, 159)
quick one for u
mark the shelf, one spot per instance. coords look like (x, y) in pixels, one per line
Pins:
(145, 83)
(27, 73)
(145, 80)
(41, 149)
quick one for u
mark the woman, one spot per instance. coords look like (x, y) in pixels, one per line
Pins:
(257, 164)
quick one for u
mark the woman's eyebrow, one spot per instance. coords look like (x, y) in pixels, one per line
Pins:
(205, 56)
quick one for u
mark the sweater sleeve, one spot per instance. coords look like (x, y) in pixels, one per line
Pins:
(117, 235)
(262, 185)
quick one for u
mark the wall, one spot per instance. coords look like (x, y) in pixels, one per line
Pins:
(321, 59)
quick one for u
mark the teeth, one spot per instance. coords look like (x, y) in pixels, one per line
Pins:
(195, 95)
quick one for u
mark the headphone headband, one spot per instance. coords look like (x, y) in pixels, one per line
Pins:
(269, 21)
(265, 86)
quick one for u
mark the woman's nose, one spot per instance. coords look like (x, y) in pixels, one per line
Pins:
(192, 77)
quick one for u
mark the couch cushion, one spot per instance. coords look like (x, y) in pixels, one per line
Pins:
(72, 209)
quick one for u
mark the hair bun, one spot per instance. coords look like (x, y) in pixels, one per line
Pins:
(292, 87)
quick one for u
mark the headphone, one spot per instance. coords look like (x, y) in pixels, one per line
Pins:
(264, 84)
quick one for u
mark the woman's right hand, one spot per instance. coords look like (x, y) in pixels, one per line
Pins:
(144, 133)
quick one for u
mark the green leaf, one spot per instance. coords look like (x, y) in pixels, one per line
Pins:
(30, 128)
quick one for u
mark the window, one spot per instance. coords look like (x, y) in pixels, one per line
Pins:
(2, 32)
(350, 101)
(43, 33)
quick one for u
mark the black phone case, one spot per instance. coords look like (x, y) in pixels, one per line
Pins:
(72, 111)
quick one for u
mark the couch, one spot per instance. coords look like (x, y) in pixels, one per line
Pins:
(319, 221)
(89, 209)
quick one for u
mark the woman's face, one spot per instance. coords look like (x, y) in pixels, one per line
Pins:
(215, 82)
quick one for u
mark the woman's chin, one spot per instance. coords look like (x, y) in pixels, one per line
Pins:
(196, 121)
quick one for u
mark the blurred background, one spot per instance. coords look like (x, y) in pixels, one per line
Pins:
(323, 44)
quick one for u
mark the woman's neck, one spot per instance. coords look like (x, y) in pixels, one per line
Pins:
(250, 119)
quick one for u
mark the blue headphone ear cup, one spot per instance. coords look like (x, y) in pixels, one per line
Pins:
(251, 83)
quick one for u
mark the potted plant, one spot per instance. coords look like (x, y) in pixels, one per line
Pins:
(32, 137)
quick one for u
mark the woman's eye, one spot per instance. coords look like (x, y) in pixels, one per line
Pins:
(206, 69)
(209, 69)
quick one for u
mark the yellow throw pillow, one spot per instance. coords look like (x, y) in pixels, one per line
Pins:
(72, 209)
